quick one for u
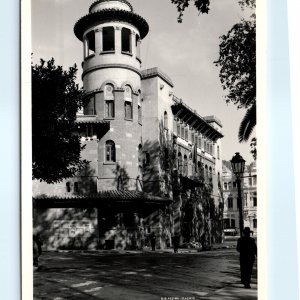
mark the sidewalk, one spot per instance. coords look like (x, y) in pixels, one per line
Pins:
(234, 292)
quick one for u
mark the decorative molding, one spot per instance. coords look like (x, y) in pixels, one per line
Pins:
(108, 66)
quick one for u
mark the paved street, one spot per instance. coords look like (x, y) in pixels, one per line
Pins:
(141, 276)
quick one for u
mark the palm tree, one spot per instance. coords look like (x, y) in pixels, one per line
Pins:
(248, 124)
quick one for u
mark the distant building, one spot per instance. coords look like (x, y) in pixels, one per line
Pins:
(249, 197)
(155, 163)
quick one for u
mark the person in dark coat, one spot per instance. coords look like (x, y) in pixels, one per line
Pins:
(153, 241)
(246, 246)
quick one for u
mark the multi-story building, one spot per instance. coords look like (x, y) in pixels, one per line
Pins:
(153, 159)
(249, 197)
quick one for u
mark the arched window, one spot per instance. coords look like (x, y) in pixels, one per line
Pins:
(179, 163)
(225, 186)
(186, 134)
(185, 165)
(210, 173)
(110, 150)
(109, 99)
(178, 128)
(68, 187)
(165, 120)
(206, 172)
(182, 132)
(126, 40)
(108, 39)
(128, 102)
(218, 152)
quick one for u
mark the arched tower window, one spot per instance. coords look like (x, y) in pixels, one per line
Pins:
(108, 41)
(126, 40)
(128, 102)
(109, 99)
(179, 163)
(165, 120)
(110, 151)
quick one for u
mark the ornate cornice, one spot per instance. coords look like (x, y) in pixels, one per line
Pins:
(109, 15)
(116, 66)
(101, 1)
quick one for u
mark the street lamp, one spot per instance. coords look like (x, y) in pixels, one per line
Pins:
(238, 167)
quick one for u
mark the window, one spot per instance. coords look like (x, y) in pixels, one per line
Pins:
(205, 146)
(225, 186)
(234, 184)
(185, 165)
(245, 199)
(230, 202)
(182, 132)
(90, 108)
(178, 129)
(179, 163)
(253, 198)
(76, 187)
(254, 223)
(254, 180)
(210, 174)
(110, 151)
(126, 40)
(186, 134)
(192, 137)
(128, 110)
(199, 142)
(109, 101)
(218, 152)
(108, 39)
(165, 120)
(68, 187)
(128, 102)
(206, 172)
(89, 44)
(250, 181)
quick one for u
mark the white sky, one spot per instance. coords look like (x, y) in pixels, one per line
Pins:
(185, 52)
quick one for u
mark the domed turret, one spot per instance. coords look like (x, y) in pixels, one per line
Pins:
(111, 34)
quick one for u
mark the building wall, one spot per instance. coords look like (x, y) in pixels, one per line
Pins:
(249, 196)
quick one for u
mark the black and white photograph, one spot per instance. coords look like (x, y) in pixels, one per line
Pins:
(144, 150)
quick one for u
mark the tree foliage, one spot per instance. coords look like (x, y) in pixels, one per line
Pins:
(55, 100)
(237, 62)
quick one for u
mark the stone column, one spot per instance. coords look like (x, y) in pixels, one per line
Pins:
(118, 39)
(98, 40)
(85, 47)
(133, 46)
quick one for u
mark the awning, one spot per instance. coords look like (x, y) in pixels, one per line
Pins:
(105, 199)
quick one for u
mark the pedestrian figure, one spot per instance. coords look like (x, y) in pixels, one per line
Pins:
(153, 241)
(37, 249)
(246, 246)
(175, 239)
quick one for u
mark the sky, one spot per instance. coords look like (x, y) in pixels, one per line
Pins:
(184, 51)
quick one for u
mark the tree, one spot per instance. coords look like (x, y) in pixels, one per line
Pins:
(55, 100)
(237, 61)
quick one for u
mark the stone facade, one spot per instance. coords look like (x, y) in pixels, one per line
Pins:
(139, 138)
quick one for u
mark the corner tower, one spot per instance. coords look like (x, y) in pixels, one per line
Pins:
(111, 35)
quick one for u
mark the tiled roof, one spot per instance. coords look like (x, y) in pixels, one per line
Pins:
(89, 119)
(104, 197)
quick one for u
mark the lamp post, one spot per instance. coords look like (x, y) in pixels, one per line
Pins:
(238, 167)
